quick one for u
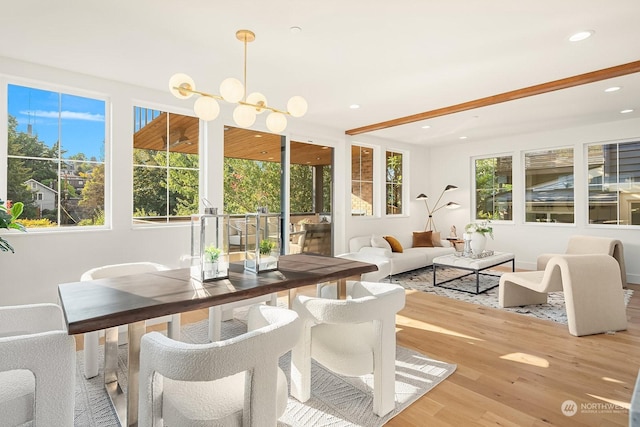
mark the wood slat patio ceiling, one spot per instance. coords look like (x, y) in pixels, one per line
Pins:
(238, 143)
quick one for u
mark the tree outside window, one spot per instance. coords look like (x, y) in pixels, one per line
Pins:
(394, 183)
(166, 170)
(55, 163)
(493, 188)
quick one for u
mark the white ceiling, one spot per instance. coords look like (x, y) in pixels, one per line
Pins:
(394, 58)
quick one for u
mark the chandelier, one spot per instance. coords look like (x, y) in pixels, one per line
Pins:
(232, 90)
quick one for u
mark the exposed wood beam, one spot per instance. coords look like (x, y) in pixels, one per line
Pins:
(580, 79)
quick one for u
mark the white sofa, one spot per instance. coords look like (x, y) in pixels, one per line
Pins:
(409, 259)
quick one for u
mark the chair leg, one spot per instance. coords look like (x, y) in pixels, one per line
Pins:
(301, 367)
(173, 327)
(513, 295)
(384, 371)
(215, 323)
(593, 295)
(91, 348)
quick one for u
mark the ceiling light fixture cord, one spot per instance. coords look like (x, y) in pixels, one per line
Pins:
(231, 90)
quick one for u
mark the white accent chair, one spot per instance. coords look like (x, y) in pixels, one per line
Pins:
(351, 337)
(91, 339)
(232, 382)
(581, 245)
(593, 294)
(37, 367)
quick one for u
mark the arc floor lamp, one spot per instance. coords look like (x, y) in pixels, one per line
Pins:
(431, 225)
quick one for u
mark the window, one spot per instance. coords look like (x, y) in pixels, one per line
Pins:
(165, 166)
(614, 183)
(361, 181)
(55, 139)
(493, 188)
(549, 186)
(394, 183)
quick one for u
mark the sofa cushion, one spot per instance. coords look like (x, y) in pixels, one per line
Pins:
(435, 239)
(422, 239)
(380, 252)
(379, 242)
(394, 243)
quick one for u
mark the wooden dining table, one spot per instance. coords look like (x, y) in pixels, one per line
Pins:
(130, 300)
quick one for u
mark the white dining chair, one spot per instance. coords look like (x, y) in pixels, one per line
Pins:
(37, 367)
(235, 382)
(351, 337)
(91, 339)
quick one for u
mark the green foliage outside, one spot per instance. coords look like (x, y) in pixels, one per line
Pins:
(488, 188)
(44, 169)
(8, 220)
(249, 184)
(394, 183)
(159, 191)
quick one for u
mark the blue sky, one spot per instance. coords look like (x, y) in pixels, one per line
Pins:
(77, 121)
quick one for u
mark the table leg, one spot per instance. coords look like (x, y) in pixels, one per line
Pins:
(110, 355)
(342, 288)
(136, 331)
(292, 295)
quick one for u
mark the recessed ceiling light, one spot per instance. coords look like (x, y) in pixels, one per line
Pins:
(628, 110)
(582, 35)
(613, 89)
(426, 127)
(295, 29)
(257, 136)
(325, 148)
(354, 106)
(263, 152)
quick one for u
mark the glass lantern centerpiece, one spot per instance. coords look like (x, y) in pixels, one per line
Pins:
(263, 241)
(209, 246)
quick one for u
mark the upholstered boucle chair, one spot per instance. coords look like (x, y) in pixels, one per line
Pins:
(581, 245)
(91, 339)
(351, 337)
(37, 367)
(593, 294)
(235, 382)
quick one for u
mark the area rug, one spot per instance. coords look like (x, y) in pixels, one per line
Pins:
(422, 280)
(335, 400)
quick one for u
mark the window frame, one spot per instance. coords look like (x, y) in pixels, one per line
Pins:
(523, 161)
(169, 109)
(473, 210)
(375, 183)
(5, 82)
(586, 202)
(404, 197)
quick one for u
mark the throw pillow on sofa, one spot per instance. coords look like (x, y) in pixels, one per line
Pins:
(422, 239)
(435, 239)
(394, 243)
(380, 242)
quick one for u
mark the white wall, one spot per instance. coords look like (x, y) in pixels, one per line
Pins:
(43, 259)
(529, 240)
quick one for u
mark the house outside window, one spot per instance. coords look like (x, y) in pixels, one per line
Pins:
(549, 181)
(493, 188)
(56, 139)
(394, 168)
(362, 181)
(614, 183)
(166, 171)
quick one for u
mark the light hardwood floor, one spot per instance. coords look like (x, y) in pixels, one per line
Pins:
(513, 370)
